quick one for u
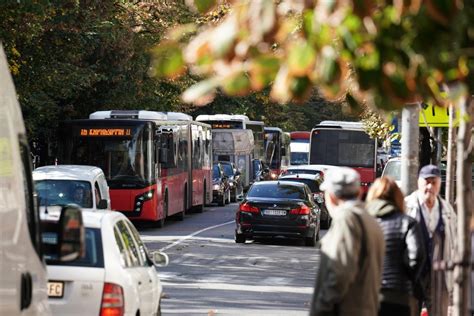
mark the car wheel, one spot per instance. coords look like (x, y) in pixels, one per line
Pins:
(311, 241)
(222, 199)
(239, 238)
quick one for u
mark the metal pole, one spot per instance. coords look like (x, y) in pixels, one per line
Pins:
(410, 147)
(449, 191)
(439, 146)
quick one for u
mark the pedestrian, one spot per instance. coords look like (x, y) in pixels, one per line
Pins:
(352, 251)
(438, 226)
(404, 248)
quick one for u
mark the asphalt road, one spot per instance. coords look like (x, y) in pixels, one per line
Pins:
(209, 274)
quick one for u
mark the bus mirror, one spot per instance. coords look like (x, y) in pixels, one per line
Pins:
(63, 240)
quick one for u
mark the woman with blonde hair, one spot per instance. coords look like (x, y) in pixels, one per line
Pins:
(404, 250)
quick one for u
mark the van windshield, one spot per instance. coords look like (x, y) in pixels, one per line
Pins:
(63, 192)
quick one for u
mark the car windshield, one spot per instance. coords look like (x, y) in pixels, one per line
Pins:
(215, 172)
(277, 190)
(93, 256)
(299, 158)
(63, 192)
(228, 170)
(312, 184)
(393, 169)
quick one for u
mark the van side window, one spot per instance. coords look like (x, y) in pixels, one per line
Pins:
(32, 213)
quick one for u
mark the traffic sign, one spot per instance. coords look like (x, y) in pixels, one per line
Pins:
(435, 116)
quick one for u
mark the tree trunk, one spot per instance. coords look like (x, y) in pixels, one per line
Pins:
(464, 202)
(410, 147)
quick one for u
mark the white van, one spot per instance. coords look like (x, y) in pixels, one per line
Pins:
(72, 184)
(22, 270)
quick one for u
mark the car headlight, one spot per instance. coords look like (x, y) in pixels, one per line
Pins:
(273, 175)
(216, 187)
(231, 184)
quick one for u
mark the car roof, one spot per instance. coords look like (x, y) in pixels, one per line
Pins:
(311, 167)
(300, 176)
(90, 218)
(67, 172)
(277, 182)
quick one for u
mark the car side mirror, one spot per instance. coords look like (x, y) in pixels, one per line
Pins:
(102, 205)
(160, 259)
(64, 240)
(237, 173)
(266, 170)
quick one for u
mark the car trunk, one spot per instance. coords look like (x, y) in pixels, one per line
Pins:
(82, 290)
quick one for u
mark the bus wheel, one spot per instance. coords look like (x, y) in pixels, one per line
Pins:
(161, 222)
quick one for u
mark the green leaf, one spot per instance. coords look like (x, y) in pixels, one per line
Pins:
(237, 84)
(301, 59)
(168, 60)
(263, 71)
(204, 6)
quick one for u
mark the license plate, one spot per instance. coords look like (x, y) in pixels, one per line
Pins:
(55, 289)
(275, 212)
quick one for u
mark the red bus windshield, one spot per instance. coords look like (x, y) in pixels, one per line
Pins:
(124, 153)
(338, 147)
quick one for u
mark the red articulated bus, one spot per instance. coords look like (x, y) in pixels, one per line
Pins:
(277, 150)
(339, 143)
(157, 164)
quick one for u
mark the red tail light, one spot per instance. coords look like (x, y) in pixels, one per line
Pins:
(302, 210)
(112, 300)
(248, 208)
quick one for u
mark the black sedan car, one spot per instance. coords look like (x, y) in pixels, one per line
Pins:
(278, 208)
(313, 181)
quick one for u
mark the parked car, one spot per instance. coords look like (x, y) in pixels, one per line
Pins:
(234, 178)
(84, 186)
(392, 169)
(220, 185)
(313, 181)
(278, 208)
(116, 276)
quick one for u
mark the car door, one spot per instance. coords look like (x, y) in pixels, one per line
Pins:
(148, 268)
(138, 268)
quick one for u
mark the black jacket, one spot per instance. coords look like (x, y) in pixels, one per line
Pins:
(404, 252)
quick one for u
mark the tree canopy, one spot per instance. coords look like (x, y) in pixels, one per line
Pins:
(376, 52)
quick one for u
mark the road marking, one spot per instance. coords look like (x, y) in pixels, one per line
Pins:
(242, 287)
(177, 242)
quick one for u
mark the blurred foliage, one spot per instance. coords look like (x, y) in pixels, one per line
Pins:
(381, 53)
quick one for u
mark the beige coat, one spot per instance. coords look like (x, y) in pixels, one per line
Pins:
(441, 290)
(349, 277)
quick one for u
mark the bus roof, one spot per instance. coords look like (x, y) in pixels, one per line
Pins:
(140, 114)
(341, 124)
(300, 135)
(222, 117)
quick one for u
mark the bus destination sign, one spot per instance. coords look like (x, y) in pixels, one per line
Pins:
(105, 132)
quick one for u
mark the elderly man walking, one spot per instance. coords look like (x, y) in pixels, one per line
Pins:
(438, 226)
(349, 276)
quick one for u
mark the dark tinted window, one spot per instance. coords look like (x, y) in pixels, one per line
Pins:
(216, 172)
(93, 258)
(299, 158)
(312, 184)
(228, 170)
(274, 190)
